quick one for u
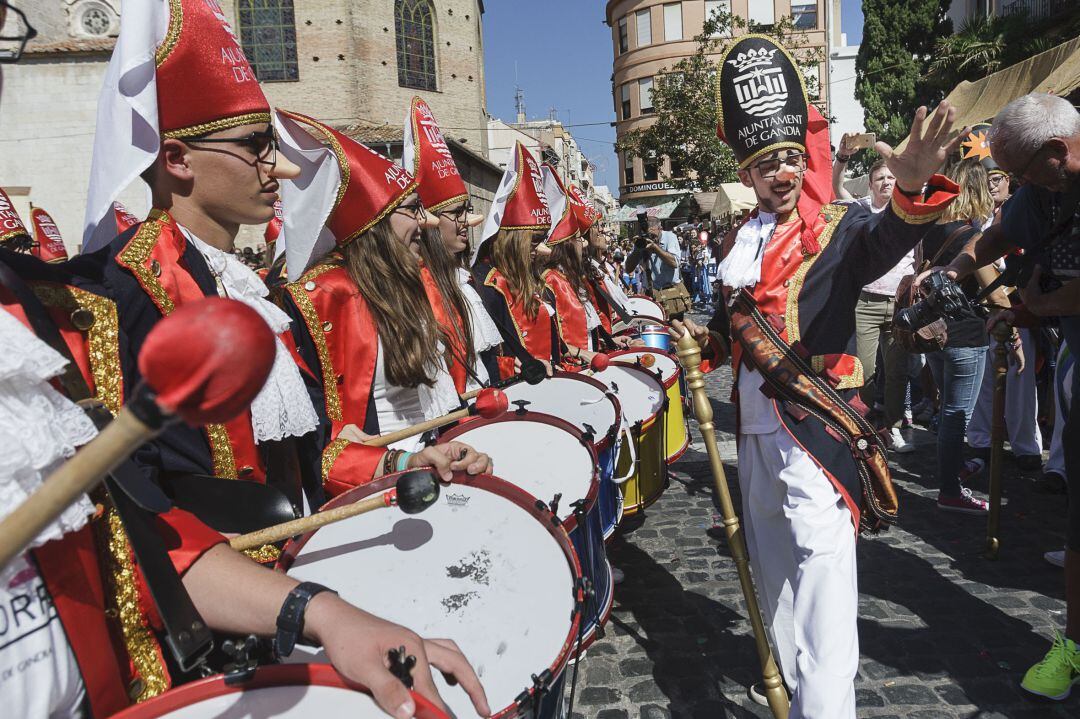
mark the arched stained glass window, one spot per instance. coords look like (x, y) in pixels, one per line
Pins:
(414, 25)
(268, 35)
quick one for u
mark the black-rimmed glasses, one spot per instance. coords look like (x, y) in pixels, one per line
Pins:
(414, 210)
(459, 216)
(263, 145)
(768, 168)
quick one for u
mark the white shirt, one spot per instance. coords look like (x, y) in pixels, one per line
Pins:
(886, 285)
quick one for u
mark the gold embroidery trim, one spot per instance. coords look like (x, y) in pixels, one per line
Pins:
(915, 219)
(135, 255)
(123, 593)
(13, 233)
(315, 328)
(331, 454)
(103, 337)
(263, 555)
(224, 123)
(411, 188)
(221, 451)
(849, 381)
(172, 36)
(791, 315)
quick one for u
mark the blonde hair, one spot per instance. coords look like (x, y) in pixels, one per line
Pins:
(511, 254)
(388, 277)
(974, 204)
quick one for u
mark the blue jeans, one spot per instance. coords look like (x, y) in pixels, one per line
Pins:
(958, 372)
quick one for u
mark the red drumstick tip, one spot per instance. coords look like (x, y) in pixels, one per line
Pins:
(208, 359)
(599, 363)
(491, 403)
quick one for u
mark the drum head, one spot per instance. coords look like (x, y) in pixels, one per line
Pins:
(539, 453)
(482, 566)
(296, 690)
(575, 399)
(663, 362)
(640, 394)
(641, 306)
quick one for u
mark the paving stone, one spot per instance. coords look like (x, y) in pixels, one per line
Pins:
(909, 694)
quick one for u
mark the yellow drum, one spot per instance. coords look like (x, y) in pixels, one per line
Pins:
(665, 366)
(641, 469)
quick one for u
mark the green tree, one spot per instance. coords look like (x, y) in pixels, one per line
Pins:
(899, 38)
(984, 46)
(684, 102)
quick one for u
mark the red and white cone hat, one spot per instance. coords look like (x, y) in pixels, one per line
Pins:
(177, 71)
(49, 245)
(124, 219)
(426, 154)
(519, 203)
(564, 219)
(11, 225)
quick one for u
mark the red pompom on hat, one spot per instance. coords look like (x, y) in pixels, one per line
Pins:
(427, 156)
(372, 186)
(49, 245)
(204, 80)
(11, 225)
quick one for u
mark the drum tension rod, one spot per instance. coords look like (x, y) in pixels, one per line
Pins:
(242, 667)
(521, 405)
(588, 435)
(553, 505)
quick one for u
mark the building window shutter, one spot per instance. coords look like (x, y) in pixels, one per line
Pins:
(644, 28)
(673, 22)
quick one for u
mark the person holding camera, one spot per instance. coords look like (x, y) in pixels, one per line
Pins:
(659, 250)
(958, 366)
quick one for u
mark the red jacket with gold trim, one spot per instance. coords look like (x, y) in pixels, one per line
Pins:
(95, 584)
(337, 337)
(811, 299)
(570, 318)
(536, 335)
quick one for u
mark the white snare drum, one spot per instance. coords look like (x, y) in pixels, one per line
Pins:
(482, 566)
(676, 429)
(642, 306)
(301, 691)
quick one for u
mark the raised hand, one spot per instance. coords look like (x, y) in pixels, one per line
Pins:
(929, 145)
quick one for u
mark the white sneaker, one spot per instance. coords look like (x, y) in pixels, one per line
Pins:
(1056, 558)
(899, 444)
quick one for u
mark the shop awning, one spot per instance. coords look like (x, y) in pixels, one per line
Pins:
(660, 207)
(1056, 71)
(733, 197)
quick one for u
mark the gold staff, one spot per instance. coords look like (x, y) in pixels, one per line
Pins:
(1001, 332)
(690, 356)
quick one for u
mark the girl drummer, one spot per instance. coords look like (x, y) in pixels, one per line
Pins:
(357, 324)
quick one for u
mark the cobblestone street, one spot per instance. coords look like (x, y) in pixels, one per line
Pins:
(943, 631)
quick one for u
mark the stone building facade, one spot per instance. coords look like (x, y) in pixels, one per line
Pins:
(649, 36)
(347, 62)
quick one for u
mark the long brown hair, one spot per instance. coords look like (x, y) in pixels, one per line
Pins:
(571, 266)
(974, 203)
(388, 276)
(511, 254)
(443, 267)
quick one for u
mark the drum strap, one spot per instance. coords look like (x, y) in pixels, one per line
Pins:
(789, 377)
(135, 498)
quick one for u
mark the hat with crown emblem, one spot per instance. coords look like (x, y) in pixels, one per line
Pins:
(976, 146)
(762, 101)
(48, 245)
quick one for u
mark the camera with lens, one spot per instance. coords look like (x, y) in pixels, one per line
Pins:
(942, 299)
(641, 240)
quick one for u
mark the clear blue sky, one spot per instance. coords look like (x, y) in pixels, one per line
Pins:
(559, 52)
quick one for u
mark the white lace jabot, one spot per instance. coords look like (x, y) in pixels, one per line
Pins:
(742, 266)
(39, 427)
(283, 406)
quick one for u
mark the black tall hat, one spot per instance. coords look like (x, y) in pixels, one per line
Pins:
(762, 99)
(976, 146)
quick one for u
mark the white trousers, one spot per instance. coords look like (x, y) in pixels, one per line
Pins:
(1021, 404)
(801, 541)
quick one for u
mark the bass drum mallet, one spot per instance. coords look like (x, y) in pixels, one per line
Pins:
(203, 364)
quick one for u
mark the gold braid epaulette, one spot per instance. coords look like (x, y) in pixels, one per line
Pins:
(299, 294)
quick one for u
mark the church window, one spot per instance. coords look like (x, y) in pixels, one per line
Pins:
(268, 35)
(414, 25)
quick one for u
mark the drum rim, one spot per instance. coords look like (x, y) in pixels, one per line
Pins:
(266, 677)
(650, 350)
(651, 419)
(613, 432)
(591, 497)
(518, 496)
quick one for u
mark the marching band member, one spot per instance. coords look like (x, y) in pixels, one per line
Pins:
(467, 327)
(791, 276)
(353, 291)
(604, 287)
(89, 572)
(505, 264)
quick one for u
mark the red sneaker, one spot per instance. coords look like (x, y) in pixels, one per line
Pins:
(965, 503)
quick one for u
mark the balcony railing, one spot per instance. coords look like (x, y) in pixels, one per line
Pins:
(1035, 9)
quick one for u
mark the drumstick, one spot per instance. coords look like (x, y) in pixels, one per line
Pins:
(415, 491)
(228, 350)
(489, 403)
(599, 363)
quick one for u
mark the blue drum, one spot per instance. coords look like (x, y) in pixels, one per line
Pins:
(656, 337)
(555, 462)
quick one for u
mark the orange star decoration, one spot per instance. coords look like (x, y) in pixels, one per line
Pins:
(976, 145)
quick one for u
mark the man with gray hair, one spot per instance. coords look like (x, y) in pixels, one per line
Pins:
(1037, 139)
(659, 250)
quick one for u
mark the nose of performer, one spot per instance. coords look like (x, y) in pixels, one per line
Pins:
(284, 168)
(786, 173)
(430, 221)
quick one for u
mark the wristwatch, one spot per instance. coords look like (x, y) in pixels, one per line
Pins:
(290, 620)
